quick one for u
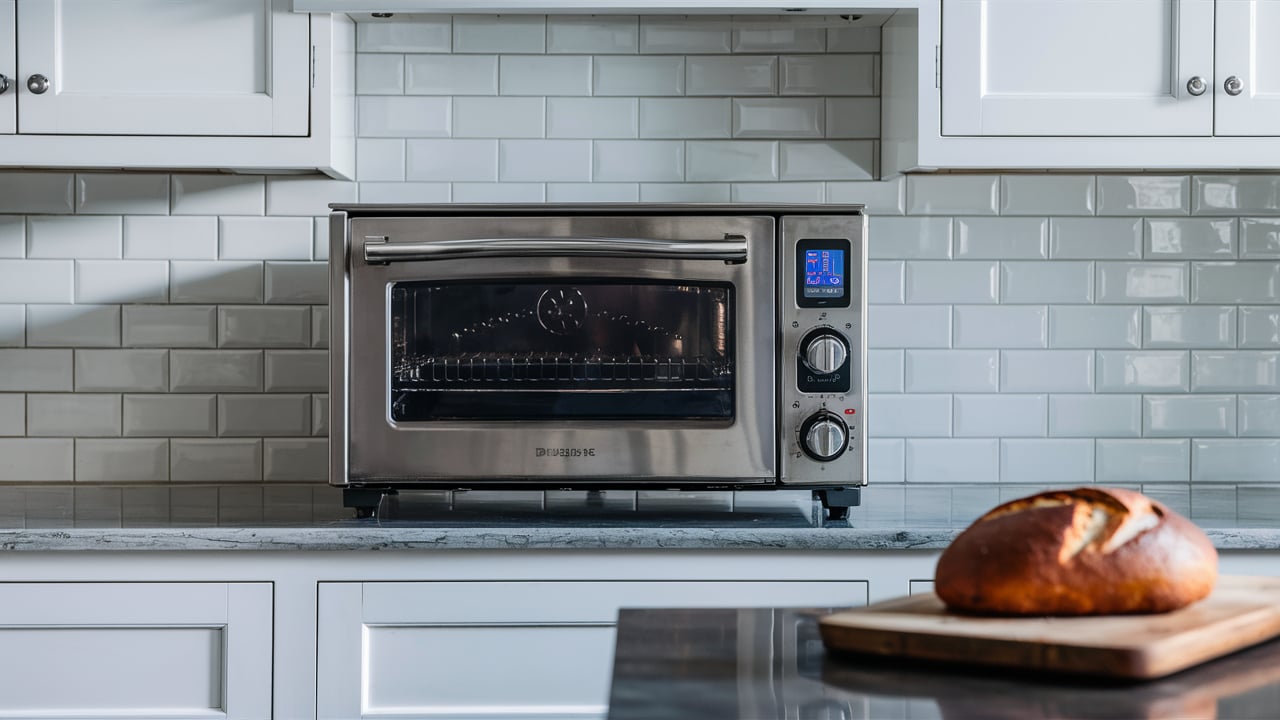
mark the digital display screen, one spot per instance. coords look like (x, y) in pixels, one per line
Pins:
(823, 273)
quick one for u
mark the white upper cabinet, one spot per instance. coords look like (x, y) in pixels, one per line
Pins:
(8, 68)
(1085, 67)
(1248, 75)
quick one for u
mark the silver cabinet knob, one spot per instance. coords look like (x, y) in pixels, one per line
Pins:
(4, 84)
(1233, 85)
(38, 84)
(825, 354)
(1197, 86)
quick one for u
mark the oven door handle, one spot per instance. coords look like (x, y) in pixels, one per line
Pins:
(731, 249)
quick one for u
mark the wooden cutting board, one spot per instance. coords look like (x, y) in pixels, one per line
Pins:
(1241, 611)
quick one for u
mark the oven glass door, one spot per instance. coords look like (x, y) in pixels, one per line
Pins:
(591, 349)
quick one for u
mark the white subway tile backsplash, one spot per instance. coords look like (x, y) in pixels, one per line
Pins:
(452, 160)
(39, 281)
(306, 195)
(828, 75)
(297, 282)
(1189, 327)
(404, 117)
(731, 75)
(827, 159)
(1245, 371)
(1057, 282)
(13, 236)
(218, 195)
(13, 414)
(1143, 371)
(13, 325)
(1236, 194)
(399, 193)
(638, 76)
(955, 371)
(593, 34)
(885, 279)
(544, 75)
(499, 33)
(499, 117)
(216, 371)
(993, 326)
(1050, 462)
(853, 39)
(264, 327)
(939, 281)
(777, 36)
(909, 326)
(267, 238)
(910, 415)
(320, 326)
(297, 370)
(1189, 415)
(259, 415)
(1259, 327)
(504, 192)
(213, 282)
(114, 281)
(169, 415)
(885, 464)
(290, 460)
(544, 160)
(996, 238)
(1149, 282)
(638, 161)
(450, 75)
(170, 238)
(685, 192)
(1239, 461)
(1046, 371)
(769, 192)
(1259, 238)
(37, 192)
(380, 159)
(210, 460)
(1001, 415)
(116, 370)
(777, 117)
(952, 461)
(60, 236)
(1143, 195)
(1188, 238)
(1095, 415)
(884, 371)
(1259, 415)
(73, 325)
(1086, 326)
(319, 414)
(853, 117)
(1095, 238)
(379, 74)
(685, 118)
(960, 195)
(1142, 461)
(881, 197)
(420, 34)
(724, 160)
(120, 193)
(680, 34)
(1235, 282)
(593, 118)
(37, 460)
(1047, 194)
(909, 238)
(320, 239)
(592, 192)
(73, 415)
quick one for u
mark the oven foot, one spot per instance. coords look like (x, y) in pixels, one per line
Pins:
(365, 501)
(836, 503)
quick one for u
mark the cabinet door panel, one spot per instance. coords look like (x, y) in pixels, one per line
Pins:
(1086, 67)
(8, 67)
(1246, 48)
(158, 67)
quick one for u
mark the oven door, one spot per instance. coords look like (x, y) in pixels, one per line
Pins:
(573, 350)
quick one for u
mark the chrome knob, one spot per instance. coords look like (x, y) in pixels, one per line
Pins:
(1197, 86)
(1233, 85)
(824, 437)
(38, 84)
(825, 354)
(4, 84)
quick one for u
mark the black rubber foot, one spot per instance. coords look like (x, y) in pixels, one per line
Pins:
(364, 500)
(836, 503)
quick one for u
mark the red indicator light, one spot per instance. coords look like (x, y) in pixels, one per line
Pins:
(849, 411)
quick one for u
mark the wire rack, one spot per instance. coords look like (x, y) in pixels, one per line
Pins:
(447, 372)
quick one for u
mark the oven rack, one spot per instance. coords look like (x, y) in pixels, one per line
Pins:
(495, 368)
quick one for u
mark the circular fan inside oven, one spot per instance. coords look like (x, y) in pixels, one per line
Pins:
(562, 311)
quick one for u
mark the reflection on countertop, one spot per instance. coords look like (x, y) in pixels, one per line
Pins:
(770, 663)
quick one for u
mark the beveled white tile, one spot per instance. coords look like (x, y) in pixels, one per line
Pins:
(1054, 462)
(73, 325)
(909, 326)
(216, 371)
(319, 414)
(1147, 282)
(1001, 326)
(1143, 195)
(13, 325)
(451, 75)
(379, 159)
(499, 33)
(402, 116)
(685, 192)
(120, 370)
(1038, 194)
(544, 75)
(498, 117)
(280, 326)
(1259, 238)
(122, 193)
(952, 281)
(593, 118)
(1235, 461)
(215, 460)
(218, 195)
(379, 74)
(452, 160)
(1143, 371)
(1189, 415)
(297, 370)
(1260, 327)
(885, 280)
(827, 159)
(73, 415)
(13, 236)
(1234, 371)
(1204, 326)
(1188, 238)
(37, 460)
(1095, 415)
(683, 34)
(320, 239)
(13, 414)
(778, 117)
(1128, 461)
(1009, 415)
(778, 36)
(853, 39)
(1232, 194)
(885, 465)
(593, 34)
(884, 371)
(909, 238)
(1095, 238)
(1046, 371)
(638, 161)
(544, 160)
(685, 118)
(1087, 326)
(731, 160)
(307, 195)
(953, 461)
(198, 281)
(37, 192)
(146, 506)
(122, 281)
(953, 194)
(998, 238)
(297, 282)
(295, 459)
(638, 76)
(258, 415)
(1235, 282)
(731, 75)
(774, 192)
(170, 238)
(911, 416)
(955, 371)
(502, 192)
(399, 193)
(169, 326)
(71, 237)
(1259, 415)
(853, 118)
(401, 35)
(36, 281)
(320, 326)
(169, 415)
(592, 192)
(268, 238)
(881, 197)
(827, 75)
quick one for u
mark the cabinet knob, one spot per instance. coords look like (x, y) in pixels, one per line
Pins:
(1233, 85)
(1196, 86)
(38, 84)
(4, 84)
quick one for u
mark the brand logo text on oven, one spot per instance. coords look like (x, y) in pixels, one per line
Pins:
(564, 452)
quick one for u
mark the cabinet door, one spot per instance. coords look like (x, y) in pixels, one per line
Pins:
(8, 67)
(159, 67)
(1085, 67)
(1246, 49)
(502, 649)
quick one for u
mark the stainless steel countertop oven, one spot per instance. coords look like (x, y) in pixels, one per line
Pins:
(598, 347)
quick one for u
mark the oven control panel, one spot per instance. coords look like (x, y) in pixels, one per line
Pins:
(822, 313)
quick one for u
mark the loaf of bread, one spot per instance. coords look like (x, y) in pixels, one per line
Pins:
(1088, 551)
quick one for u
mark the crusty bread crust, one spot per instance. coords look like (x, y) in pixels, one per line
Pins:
(1088, 551)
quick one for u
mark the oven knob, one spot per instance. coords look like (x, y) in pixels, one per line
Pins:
(823, 437)
(825, 353)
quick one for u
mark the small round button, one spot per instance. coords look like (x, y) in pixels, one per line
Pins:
(825, 353)
(823, 437)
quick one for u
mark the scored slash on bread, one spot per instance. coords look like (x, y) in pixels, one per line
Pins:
(1087, 551)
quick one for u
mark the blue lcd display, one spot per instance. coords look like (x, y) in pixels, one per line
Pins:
(823, 274)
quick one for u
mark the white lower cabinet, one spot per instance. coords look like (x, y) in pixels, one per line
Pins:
(136, 650)
(502, 649)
